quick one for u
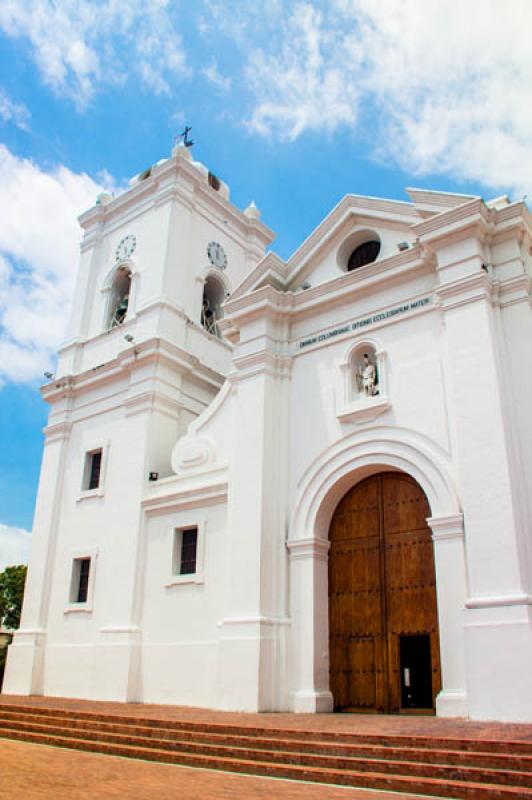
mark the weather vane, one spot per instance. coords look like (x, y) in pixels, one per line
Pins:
(185, 141)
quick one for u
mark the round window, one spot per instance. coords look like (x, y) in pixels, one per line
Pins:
(365, 253)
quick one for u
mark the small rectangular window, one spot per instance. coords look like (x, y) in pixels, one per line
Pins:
(93, 468)
(80, 580)
(185, 551)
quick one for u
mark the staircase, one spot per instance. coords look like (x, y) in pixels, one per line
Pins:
(429, 765)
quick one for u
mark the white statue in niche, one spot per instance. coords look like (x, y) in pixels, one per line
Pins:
(366, 377)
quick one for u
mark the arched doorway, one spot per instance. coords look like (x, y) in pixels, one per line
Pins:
(383, 619)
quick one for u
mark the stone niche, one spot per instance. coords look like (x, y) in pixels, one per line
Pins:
(365, 390)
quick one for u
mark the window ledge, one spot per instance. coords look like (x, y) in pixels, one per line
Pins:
(364, 410)
(78, 607)
(88, 493)
(177, 580)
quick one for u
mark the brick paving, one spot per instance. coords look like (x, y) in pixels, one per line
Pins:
(29, 770)
(38, 772)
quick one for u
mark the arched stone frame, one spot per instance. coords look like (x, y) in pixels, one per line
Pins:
(107, 287)
(200, 283)
(325, 482)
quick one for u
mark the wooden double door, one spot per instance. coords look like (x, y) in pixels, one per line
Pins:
(383, 621)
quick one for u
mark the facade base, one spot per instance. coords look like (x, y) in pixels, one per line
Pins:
(313, 702)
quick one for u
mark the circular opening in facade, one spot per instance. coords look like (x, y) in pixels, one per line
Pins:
(365, 253)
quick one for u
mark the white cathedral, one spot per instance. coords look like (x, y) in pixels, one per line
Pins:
(297, 485)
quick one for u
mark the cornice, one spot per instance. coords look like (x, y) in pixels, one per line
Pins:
(270, 302)
(270, 264)
(474, 213)
(129, 360)
(151, 400)
(367, 277)
(514, 290)
(56, 432)
(208, 487)
(161, 185)
(463, 291)
(260, 363)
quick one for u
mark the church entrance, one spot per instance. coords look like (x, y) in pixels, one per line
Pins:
(383, 620)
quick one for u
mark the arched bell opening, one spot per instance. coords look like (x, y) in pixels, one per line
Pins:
(118, 303)
(214, 295)
(384, 646)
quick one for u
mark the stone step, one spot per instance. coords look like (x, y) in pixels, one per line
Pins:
(330, 761)
(502, 761)
(388, 782)
(457, 783)
(509, 746)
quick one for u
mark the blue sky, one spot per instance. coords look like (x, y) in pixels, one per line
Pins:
(293, 104)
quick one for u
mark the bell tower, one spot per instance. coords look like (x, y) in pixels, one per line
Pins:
(144, 356)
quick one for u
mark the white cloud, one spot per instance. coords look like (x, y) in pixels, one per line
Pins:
(79, 45)
(436, 87)
(14, 112)
(214, 76)
(14, 546)
(39, 238)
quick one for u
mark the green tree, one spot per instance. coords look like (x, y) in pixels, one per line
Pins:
(12, 581)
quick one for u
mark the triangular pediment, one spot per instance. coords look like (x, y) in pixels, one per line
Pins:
(353, 212)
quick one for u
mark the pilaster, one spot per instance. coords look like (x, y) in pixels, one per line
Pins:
(498, 632)
(310, 627)
(449, 562)
(252, 654)
(25, 664)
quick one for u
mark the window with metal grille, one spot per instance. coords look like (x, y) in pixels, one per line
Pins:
(80, 580)
(93, 467)
(189, 548)
(364, 254)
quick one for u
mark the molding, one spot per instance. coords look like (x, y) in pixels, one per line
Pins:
(188, 495)
(258, 619)
(360, 454)
(447, 528)
(461, 292)
(363, 328)
(514, 290)
(57, 432)
(149, 401)
(364, 410)
(471, 214)
(309, 548)
(263, 362)
(127, 629)
(151, 351)
(499, 601)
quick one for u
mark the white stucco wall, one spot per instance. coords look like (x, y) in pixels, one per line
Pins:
(259, 466)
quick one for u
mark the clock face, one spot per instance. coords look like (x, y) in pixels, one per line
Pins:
(126, 247)
(217, 255)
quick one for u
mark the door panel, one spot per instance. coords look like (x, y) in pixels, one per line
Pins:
(382, 597)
